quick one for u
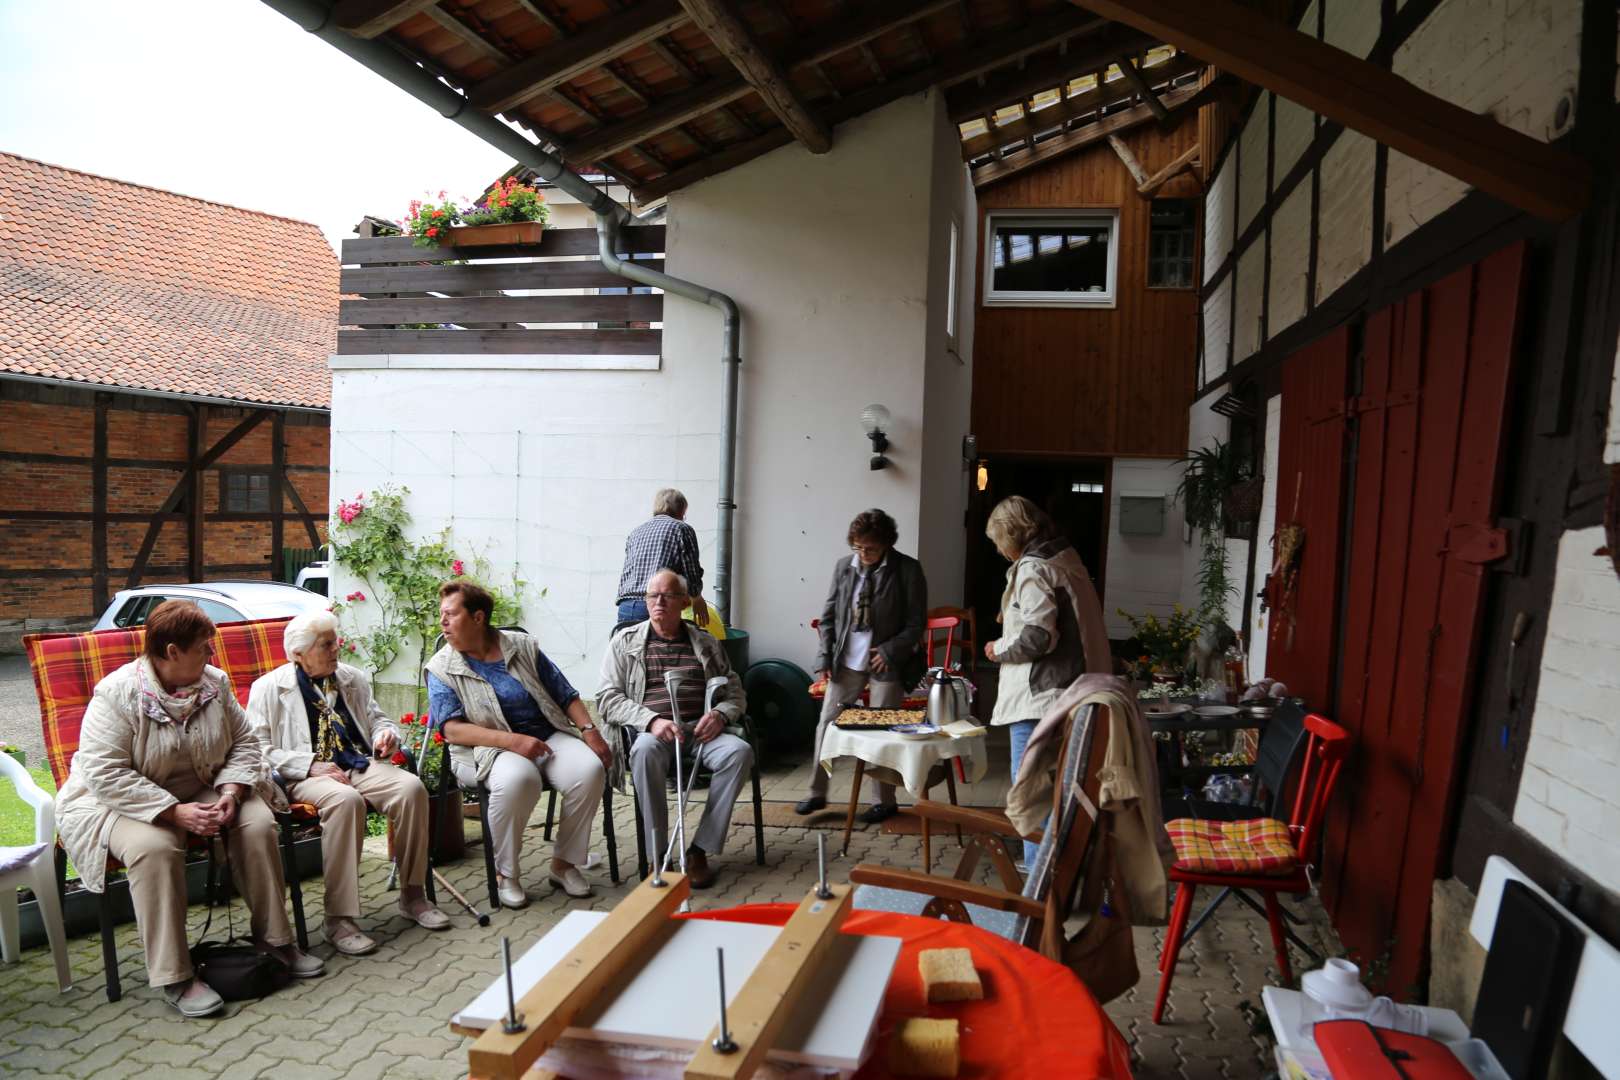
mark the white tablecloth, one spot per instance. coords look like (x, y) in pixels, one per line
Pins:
(911, 758)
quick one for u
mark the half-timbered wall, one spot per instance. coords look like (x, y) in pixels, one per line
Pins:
(1106, 382)
(72, 540)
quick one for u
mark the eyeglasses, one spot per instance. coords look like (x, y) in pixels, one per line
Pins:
(867, 549)
(664, 598)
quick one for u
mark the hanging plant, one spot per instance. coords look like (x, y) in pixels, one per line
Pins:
(1208, 477)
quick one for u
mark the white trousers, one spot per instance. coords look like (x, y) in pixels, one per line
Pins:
(515, 784)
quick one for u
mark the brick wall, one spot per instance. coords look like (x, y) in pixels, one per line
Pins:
(62, 424)
(1568, 795)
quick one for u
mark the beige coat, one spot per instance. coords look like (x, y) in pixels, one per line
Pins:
(482, 707)
(122, 745)
(624, 683)
(280, 719)
(1052, 632)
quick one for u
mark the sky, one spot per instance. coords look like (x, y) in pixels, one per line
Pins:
(223, 100)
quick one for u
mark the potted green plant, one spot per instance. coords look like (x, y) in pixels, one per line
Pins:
(449, 843)
(1208, 479)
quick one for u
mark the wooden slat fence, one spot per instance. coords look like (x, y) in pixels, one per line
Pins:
(399, 298)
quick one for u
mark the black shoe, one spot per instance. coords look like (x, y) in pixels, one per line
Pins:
(879, 812)
(698, 871)
(810, 804)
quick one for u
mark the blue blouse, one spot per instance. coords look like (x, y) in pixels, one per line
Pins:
(521, 711)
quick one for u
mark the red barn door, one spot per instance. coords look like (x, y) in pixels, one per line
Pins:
(1429, 423)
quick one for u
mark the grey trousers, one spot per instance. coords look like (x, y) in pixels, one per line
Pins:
(845, 689)
(726, 756)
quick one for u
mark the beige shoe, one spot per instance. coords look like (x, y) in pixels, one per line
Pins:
(193, 998)
(511, 893)
(300, 963)
(572, 882)
(349, 939)
(427, 917)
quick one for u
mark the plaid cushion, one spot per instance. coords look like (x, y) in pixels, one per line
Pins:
(1263, 846)
(67, 668)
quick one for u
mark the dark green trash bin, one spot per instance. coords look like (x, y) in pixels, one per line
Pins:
(780, 704)
(736, 644)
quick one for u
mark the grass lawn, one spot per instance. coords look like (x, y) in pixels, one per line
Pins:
(16, 816)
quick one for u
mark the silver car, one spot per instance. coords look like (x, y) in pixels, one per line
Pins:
(222, 601)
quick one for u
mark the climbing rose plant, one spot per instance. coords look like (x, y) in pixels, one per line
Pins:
(371, 539)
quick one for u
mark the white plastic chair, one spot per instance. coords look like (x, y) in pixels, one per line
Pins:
(31, 866)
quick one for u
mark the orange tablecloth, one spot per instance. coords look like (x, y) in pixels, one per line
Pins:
(1037, 1018)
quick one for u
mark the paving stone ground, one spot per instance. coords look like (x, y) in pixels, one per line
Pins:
(385, 1015)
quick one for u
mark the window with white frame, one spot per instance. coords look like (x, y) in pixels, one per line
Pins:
(1051, 258)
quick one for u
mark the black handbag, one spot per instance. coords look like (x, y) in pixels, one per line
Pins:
(234, 968)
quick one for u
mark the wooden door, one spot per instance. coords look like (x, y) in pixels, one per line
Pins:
(1429, 426)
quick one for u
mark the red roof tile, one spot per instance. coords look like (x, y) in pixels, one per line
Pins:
(122, 285)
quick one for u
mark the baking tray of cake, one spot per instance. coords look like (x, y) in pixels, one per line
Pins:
(857, 719)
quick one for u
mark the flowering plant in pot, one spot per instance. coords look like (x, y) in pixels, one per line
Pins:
(509, 213)
(427, 221)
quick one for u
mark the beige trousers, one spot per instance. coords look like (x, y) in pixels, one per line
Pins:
(155, 855)
(393, 792)
(844, 688)
(515, 784)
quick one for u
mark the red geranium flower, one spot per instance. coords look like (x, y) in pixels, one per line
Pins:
(438, 738)
(433, 230)
(408, 718)
(398, 758)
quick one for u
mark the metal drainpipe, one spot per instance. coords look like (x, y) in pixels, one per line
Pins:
(398, 69)
(607, 229)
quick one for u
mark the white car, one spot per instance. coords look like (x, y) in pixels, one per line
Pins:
(221, 601)
(316, 577)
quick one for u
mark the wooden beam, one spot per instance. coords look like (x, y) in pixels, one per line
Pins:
(1128, 68)
(502, 342)
(1543, 180)
(1043, 73)
(1185, 160)
(1138, 173)
(303, 512)
(98, 505)
(596, 43)
(278, 480)
(196, 494)
(1073, 108)
(954, 67)
(1062, 145)
(723, 26)
(370, 18)
(467, 310)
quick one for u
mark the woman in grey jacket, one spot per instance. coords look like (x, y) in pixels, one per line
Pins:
(1052, 629)
(871, 635)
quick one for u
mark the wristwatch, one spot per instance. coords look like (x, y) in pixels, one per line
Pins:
(587, 727)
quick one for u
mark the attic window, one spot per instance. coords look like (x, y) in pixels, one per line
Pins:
(1059, 259)
(1170, 244)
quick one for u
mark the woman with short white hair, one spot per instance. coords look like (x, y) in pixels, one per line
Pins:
(331, 745)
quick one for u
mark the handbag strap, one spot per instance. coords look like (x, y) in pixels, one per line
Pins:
(215, 860)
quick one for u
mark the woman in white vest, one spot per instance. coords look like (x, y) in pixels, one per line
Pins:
(512, 721)
(1052, 628)
(331, 746)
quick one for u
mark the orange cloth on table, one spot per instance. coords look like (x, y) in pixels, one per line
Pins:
(1036, 1020)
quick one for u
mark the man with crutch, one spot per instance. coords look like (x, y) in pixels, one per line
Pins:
(663, 679)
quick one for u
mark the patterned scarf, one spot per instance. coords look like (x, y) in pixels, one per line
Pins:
(335, 738)
(863, 597)
(177, 707)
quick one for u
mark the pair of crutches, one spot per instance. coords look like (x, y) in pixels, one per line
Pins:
(443, 882)
(673, 681)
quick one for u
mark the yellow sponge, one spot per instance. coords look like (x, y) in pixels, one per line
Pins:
(948, 975)
(922, 1047)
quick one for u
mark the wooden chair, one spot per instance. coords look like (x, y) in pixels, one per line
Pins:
(1039, 904)
(1263, 855)
(818, 688)
(66, 669)
(967, 636)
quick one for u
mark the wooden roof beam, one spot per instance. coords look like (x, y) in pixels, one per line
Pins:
(1005, 87)
(372, 18)
(596, 43)
(1067, 143)
(1185, 160)
(956, 66)
(1543, 180)
(874, 20)
(1128, 159)
(1133, 75)
(724, 27)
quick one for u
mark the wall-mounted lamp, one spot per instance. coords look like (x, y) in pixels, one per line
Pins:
(875, 419)
(983, 479)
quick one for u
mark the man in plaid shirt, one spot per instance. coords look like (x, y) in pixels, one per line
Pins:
(666, 542)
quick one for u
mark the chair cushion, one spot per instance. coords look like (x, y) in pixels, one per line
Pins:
(1262, 847)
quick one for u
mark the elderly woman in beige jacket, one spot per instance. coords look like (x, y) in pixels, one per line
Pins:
(330, 744)
(166, 753)
(1052, 628)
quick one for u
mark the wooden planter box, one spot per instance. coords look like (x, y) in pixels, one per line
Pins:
(522, 232)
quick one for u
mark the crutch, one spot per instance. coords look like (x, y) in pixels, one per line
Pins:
(684, 784)
(393, 864)
(673, 680)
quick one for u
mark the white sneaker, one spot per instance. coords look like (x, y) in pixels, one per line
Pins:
(510, 890)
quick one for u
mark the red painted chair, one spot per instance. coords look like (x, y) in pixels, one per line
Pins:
(818, 689)
(964, 637)
(66, 669)
(1264, 854)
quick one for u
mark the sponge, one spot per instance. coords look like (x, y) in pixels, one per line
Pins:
(922, 1047)
(948, 975)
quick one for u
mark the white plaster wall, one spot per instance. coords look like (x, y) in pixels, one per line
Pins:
(1351, 25)
(948, 377)
(1220, 217)
(1218, 330)
(1344, 244)
(1611, 451)
(1251, 179)
(1296, 126)
(1290, 259)
(545, 472)
(1144, 572)
(1265, 529)
(1568, 798)
(1513, 59)
(1251, 278)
